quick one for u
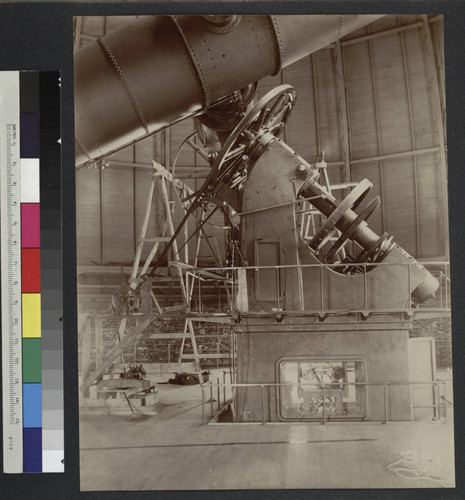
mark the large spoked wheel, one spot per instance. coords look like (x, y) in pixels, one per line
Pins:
(270, 114)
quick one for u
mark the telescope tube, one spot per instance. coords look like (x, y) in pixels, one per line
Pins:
(160, 69)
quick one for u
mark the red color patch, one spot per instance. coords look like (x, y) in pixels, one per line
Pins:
(30, 270)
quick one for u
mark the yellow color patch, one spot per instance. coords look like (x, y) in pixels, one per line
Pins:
(31, 315)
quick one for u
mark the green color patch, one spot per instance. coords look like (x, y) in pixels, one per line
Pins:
(32, 360)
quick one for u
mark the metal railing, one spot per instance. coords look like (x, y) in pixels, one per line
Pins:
(209, 384)
(440, 269)
(439, 395)
(168, 352)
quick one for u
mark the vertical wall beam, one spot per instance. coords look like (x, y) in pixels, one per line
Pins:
(378, 135)
(439, 59)
(440, 129)
(412, 134)
(315, 100)
(343, 110)
(283, 81)
(346, 100)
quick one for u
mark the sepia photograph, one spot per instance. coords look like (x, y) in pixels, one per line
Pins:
(262, 247)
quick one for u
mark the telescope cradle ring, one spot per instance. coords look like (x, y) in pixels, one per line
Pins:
(350, 202)
(347, 234)
(375, 253)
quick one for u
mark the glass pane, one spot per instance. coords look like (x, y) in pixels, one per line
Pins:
(304, 398)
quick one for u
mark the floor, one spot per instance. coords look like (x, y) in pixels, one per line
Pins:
(173, 451)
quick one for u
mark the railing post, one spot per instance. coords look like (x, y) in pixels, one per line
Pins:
(234, 399)
(224, 386)
(211, 400)
(365, 291)
(385, 405)
(203, 404)
(321, 289)
(218, 392)
(324, 405)
(277, 288)
(409, 285)
(445, 399)
(263, 404)
(446, 292)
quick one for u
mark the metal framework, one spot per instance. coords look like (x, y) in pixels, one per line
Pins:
(186, 279)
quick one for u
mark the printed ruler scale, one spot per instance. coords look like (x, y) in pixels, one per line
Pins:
(11, 273)
(31, 284)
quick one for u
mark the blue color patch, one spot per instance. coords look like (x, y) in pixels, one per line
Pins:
(32, 405)
(29, 135)
(32, 450)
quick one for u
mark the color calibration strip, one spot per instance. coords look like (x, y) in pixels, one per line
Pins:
(32, 343)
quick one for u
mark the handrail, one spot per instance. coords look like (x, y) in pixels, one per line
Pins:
(440, 407)
(441, 269)
(319, 264)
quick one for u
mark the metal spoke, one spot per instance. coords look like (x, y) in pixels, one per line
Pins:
(273, 110)
(261, 118)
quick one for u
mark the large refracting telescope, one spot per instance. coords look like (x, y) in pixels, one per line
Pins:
(343, 295)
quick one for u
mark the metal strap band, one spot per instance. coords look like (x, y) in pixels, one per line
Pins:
(196, 62)
(83, 148)
(279, 43)
(340, 30)
(126, 86)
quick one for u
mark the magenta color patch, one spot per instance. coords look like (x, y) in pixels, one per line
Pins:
(30, 225)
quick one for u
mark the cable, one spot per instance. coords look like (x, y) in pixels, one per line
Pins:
(426, 465)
